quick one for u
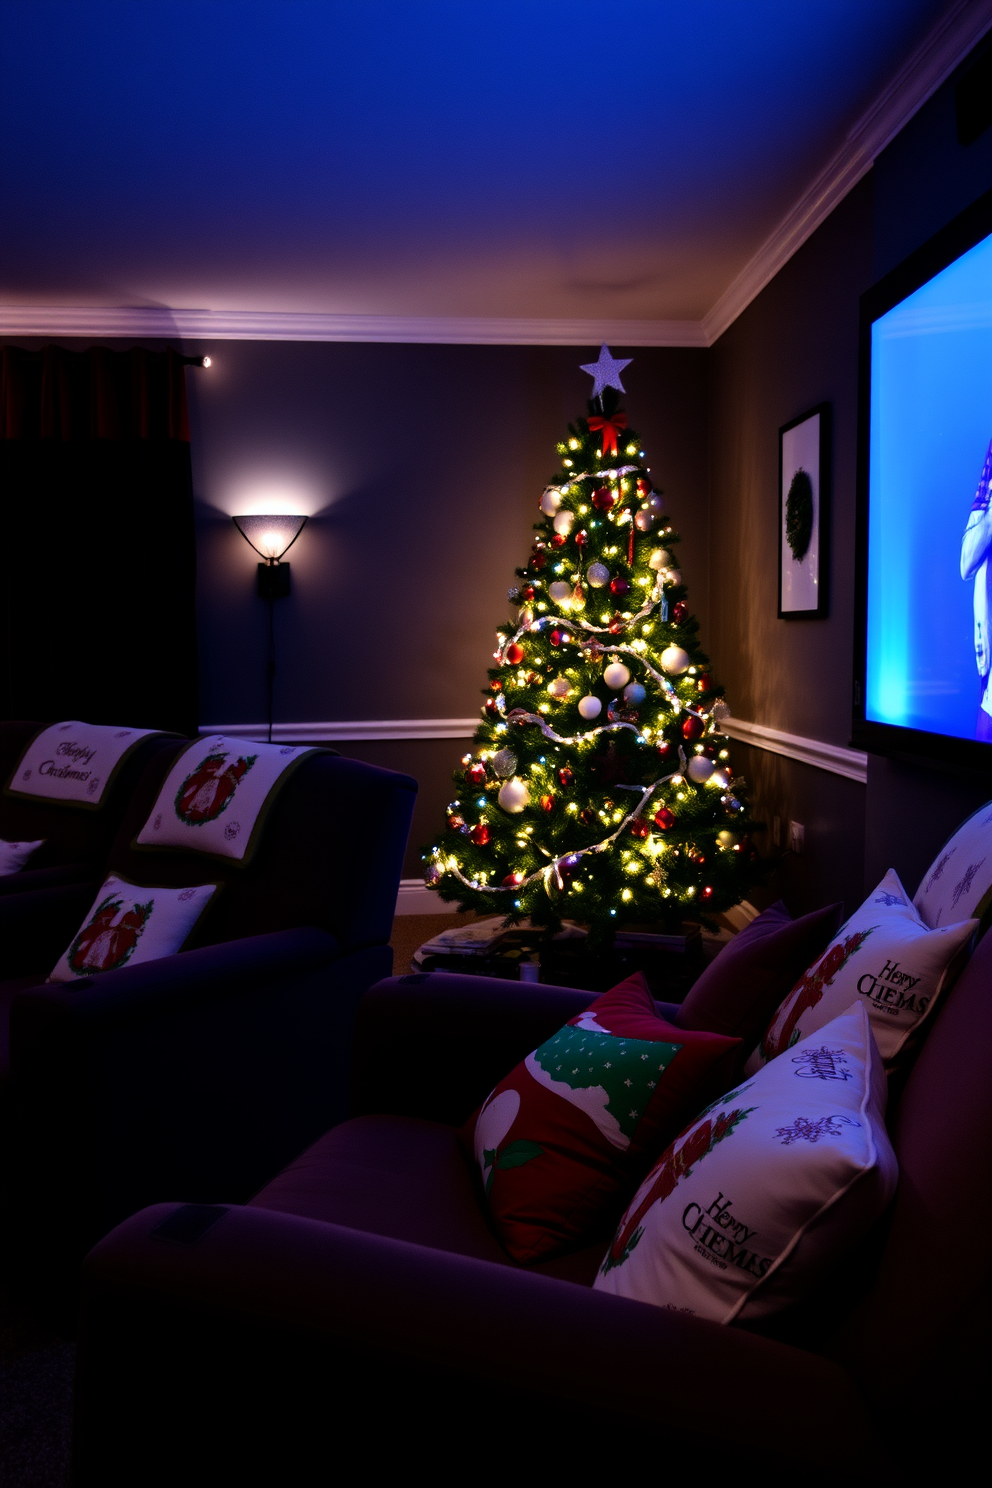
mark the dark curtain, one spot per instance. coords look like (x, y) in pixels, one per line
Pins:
(96, 535)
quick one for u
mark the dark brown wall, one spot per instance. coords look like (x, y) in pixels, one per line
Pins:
(795, 346)
(429, 462)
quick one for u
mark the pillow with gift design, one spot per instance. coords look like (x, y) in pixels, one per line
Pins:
(129, 924)
(886, 957)
(760, 1196)
(561, 1142)
(958, 884)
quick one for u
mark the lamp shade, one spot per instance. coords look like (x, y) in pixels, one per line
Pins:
(270, 536)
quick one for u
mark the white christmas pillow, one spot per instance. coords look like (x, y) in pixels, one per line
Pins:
(885, 957)
(13, 855)
(767, 1189)
(215, 797)
(958, 883)
(129, 924)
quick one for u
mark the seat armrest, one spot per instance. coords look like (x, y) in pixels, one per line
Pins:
(29, 880)
(36, 927)
(435, 1045)
(420, 1354)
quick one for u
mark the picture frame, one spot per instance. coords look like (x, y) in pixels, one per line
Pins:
(803, 513)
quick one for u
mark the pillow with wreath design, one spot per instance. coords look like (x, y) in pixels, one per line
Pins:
(129, 924)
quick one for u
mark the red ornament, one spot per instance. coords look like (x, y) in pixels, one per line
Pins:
(666, 748)
(619, 587)
(698, 858)
(476, 774)
(547, 803)
(527, 592)
(664, 818)
(558, 541)
(644, 486)
(556, 637)
(581, 538)
(692, 728)
(514, 653)
(492, 708)
(456, 822)
(533, 678)
(617, 624)
(587, 817)
(566, 776)
(512, 879)
(704, 682)
(603, 498)
(495, 687)
(639, 827)
(707, 893)
(679, 611)
(480, 834)
(539, 560)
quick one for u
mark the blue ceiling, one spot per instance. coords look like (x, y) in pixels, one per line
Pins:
(422, 157)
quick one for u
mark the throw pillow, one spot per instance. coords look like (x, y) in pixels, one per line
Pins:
(13, 855)
(129, 924)
(216, 796)
(74, 763)
(563, 1139)
(958, 883)
(884, 955)
(765, 1191)
(742, 986)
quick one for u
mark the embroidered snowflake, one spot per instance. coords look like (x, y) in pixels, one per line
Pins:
(805, 1130)
(965, 885)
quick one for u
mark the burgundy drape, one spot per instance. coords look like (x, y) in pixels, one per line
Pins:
(97, 554)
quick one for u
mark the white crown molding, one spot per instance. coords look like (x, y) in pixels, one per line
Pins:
(947, 45)
(334, 732)
(850, 763)
(277, 325)
(960, 29)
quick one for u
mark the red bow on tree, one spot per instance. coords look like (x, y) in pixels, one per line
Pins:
(611, 427)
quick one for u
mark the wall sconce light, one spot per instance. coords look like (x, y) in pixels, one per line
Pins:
(271, 537)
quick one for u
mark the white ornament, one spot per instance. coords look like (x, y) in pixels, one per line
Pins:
(504, 762)
(563, 522)
(634, 694)
(726, 839)
(674, 660)
(598, 575)
(700, 769)
(606, 371)
(644, 521)
(660, 558)
(590, 707)
(616, 675)
(526, 617)
(559, 687)
(655, 504)
(672, 576)
(559, 591)
(550, 501)
(513, 796)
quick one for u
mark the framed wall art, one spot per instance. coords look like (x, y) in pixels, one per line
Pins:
(803, 498)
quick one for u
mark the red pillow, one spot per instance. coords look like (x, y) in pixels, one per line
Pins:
(743, 987)
(564, 1140)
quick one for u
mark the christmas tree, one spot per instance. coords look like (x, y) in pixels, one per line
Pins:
(599, 786)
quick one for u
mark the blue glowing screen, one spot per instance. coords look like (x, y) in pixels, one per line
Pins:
(929, 653)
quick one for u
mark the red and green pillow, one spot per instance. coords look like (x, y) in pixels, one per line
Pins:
(564, 1139)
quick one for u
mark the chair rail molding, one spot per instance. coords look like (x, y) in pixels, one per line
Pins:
(851, 763)
(350, 729)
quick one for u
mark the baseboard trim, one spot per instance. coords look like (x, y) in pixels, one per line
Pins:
(850, 763)
(414, 898)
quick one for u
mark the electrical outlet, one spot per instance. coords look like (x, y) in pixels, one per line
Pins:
(776, 831)
(797, 838)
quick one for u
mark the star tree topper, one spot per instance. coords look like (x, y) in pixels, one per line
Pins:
(606, 372)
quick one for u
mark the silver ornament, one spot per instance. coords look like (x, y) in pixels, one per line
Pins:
(504, 763)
